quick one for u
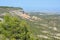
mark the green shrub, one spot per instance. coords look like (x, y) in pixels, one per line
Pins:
(14, 28)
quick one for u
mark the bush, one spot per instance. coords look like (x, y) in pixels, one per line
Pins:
(13, 28)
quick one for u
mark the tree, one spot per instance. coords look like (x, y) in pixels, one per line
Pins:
(14, 28)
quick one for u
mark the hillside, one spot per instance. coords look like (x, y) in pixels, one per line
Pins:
(14, 27)
(44, 26)
(16, 11)
(48, 28)
(6, 9)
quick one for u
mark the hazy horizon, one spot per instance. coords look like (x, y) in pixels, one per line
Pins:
(34, 5)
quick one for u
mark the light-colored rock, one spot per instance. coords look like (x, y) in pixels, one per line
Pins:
(43, 36)
(58, 34)
(1, 19)
(54, 28)
(56, 37)
(45, 31)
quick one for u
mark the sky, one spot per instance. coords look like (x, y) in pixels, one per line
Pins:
(33, 5)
